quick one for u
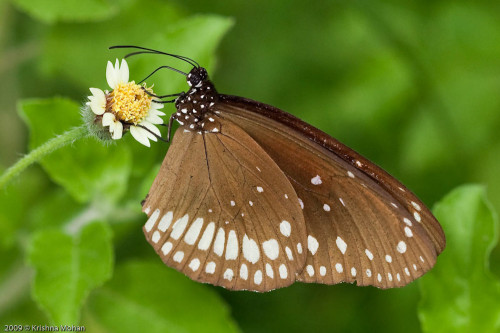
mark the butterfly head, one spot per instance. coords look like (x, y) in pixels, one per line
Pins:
(197, 76)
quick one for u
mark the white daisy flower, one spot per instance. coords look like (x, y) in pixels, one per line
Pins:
(128, 107)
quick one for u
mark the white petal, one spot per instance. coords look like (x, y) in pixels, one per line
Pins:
(140, 135)
(150, 127)
(156, 112)
(108, 119)
(154, 119)
(124, 72)
(111, 75)
(150, 135)
(118, 130)
(157, 106)
(97, 101)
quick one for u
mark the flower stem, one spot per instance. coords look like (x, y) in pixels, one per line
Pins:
(48, 147)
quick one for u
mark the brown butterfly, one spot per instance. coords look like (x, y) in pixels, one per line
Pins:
(250, 197)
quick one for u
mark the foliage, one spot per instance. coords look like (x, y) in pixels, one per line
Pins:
(461, 295)
(412, 86)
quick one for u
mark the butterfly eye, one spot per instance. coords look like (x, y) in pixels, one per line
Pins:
(196, 77)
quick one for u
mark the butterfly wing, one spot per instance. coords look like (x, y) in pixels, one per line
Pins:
(222, 212)
(362, 225)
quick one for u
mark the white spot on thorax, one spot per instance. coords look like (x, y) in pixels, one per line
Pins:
(316, 180)
(285, 228)
(341, 244)
(312, 244)
(271, 248)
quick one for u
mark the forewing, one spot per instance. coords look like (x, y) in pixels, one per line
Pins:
(362, 225)
(222, 212)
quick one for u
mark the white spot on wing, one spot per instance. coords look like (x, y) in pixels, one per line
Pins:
(353, 272)
(244, 271)
(299, 247)
(341, 244)
(285, 228)
(301, 203)
(271, 248)
(210, 268)
(152, 220)
(232, 246)
(165, 221)
(388, 258)
(194, 231)
(369, 254)
(220, 240)
(289, 253)
(310, 270)
(269, 271)
(416, 205)
(316, 180)
(166, 248)
(312, 244)
(250, 250)
(179, 227)
(417, 216)
(156, 237)
(194, 264)
(283, 271)
(350, 174)
(206, 239)
(260, 189)
(401, 247)
(228, 274)
(339, 268)
(257, 278)
(326, 208)
(408, 232)
(322, 271)
(178, 256)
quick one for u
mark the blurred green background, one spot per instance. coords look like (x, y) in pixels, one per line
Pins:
(413, 86)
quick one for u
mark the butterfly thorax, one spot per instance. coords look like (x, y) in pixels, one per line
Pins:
(195, 109)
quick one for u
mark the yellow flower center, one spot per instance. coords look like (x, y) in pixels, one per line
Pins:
(129, 102)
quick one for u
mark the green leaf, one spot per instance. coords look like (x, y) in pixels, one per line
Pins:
(50, 11)
(67, 267)
(145, 295)
(86, 169)
(460, 294)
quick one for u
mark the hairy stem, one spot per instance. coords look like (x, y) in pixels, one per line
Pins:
(48, 147)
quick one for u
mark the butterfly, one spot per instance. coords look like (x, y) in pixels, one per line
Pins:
(250, 197)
